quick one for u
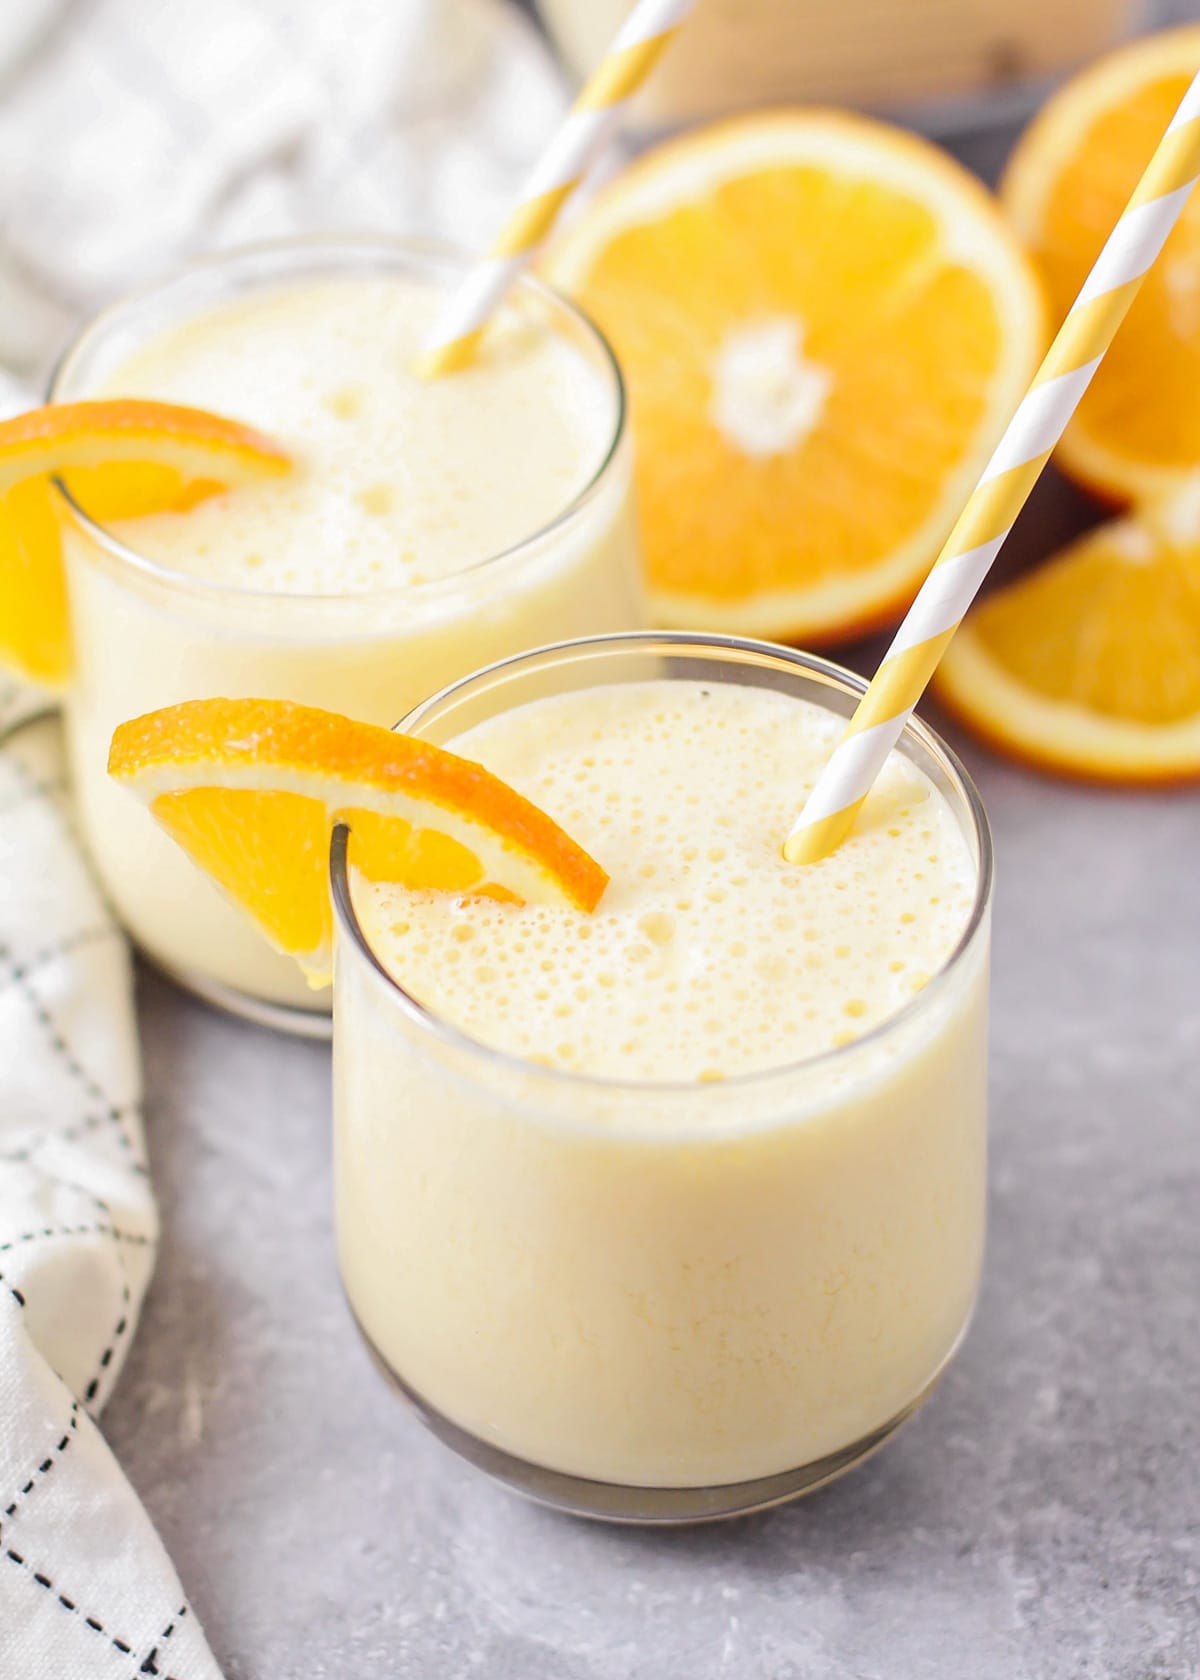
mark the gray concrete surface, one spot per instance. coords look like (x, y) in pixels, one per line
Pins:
(1038, 1521)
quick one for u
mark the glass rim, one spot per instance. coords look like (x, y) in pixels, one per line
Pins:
(455, 1038)
(429, 251)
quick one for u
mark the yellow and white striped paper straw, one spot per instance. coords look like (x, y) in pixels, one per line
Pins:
(1013, 470)
(646, 33)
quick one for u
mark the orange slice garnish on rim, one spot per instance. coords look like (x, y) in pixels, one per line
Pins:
(251, 790)
(120, 459)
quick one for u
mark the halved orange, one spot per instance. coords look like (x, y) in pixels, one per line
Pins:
(120, 458)
(1136, 433)
(825, 324)
(1090, 664)
(251, 789)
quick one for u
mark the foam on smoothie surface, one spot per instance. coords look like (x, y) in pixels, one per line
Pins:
(708, 956)
(399, 480)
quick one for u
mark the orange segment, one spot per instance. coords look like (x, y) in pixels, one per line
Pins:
(1137, 430)
(129, 489)
(824, 324)
(120, 458)
(251, 789)
(1090, 664)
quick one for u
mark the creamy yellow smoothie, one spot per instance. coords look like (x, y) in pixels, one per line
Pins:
(427, 528)
(688, 1192)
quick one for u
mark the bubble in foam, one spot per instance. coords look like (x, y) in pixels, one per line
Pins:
(658, 926)
(345, 403)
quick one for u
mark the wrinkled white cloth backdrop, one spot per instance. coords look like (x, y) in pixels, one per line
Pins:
(132, 134)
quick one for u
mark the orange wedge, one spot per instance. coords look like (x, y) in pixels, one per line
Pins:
(1090, 664)
(120, 459)
(824, 323)
(251, 789)
(1137, 431)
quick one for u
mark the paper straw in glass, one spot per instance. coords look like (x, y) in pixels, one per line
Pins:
(646, 33)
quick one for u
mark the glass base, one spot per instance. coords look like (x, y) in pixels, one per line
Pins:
(281, 1017)
(642, 1506)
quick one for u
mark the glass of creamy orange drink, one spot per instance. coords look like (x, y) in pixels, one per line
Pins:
(674, 1210)
(426, 528)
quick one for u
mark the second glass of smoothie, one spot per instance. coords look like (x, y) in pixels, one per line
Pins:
(428, 528)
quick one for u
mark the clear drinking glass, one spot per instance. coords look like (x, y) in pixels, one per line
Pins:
(146, 636)
(662, 1302)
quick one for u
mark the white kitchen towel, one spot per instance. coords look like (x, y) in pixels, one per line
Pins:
(85, 1587)
(133, 133)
